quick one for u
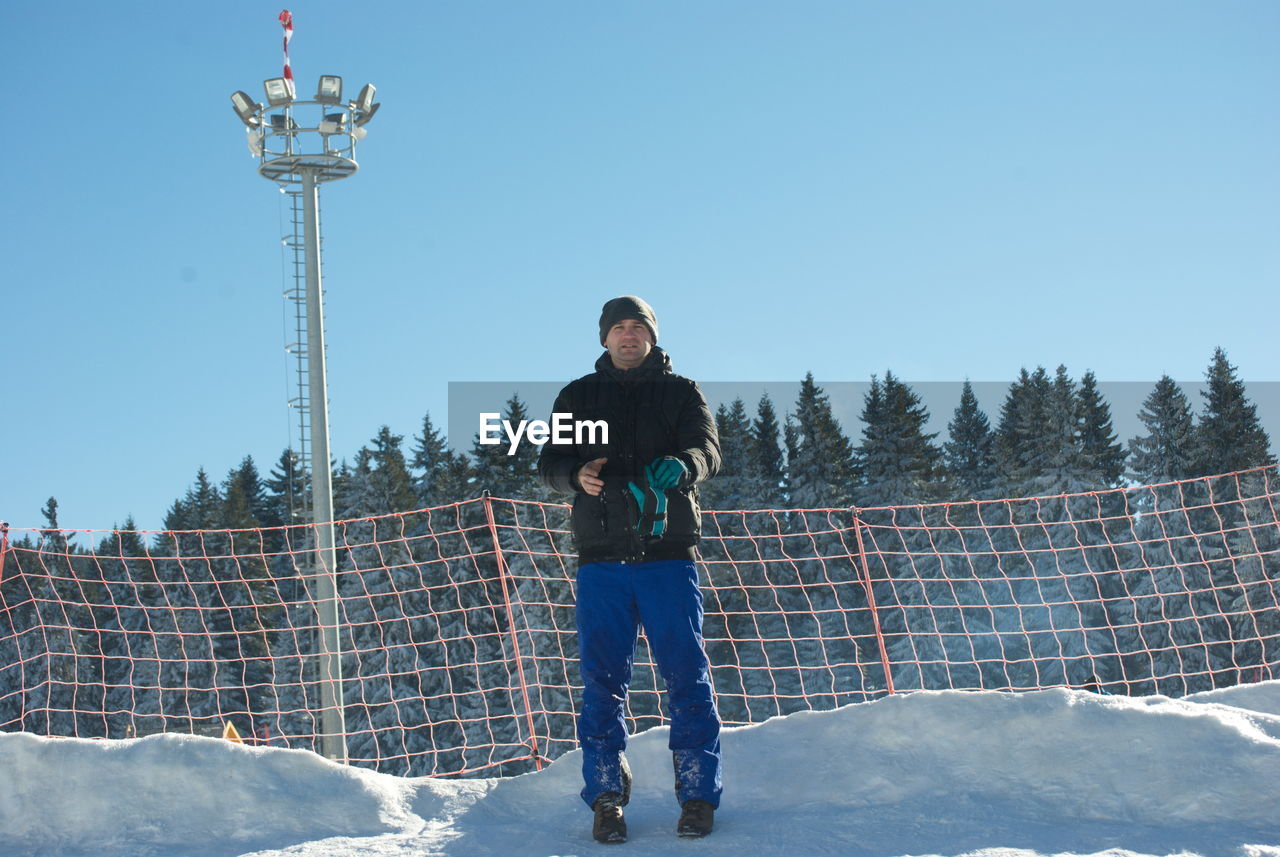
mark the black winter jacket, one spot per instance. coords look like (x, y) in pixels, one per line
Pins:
(651, 412)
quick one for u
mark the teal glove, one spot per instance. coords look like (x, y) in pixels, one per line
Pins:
(653, 510)
(666, 473)
(640, 494)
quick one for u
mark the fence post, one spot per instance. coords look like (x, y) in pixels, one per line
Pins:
(511, 628)
(871, 602)
(4, 546)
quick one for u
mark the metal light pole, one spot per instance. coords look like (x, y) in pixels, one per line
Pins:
(299, 156)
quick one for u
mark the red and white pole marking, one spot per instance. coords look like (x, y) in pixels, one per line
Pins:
(286, 21)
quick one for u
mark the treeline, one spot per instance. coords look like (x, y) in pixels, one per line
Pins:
(1161, 590)
(1053, 435)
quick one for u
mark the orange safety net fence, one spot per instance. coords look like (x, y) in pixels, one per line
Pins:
(457, 629)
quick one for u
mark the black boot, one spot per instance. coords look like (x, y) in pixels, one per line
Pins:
(697, 817)
(609, 826)
(626, 780)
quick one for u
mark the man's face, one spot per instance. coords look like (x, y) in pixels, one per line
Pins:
(629, 343)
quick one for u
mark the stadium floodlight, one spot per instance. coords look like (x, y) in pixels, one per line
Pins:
(279, 91)
(329, 90)
(281, 124)
(363, 107)
(364, 101)
(334, 123)
(246, 108)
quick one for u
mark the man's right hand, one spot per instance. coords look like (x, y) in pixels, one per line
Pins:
(589, 477)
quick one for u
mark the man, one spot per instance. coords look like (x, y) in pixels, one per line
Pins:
(636, 524)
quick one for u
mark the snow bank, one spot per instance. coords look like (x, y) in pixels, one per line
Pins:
(1264, 697)
(152, 795)
(926, 773)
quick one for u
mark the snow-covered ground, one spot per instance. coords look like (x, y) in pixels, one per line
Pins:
(927, 773)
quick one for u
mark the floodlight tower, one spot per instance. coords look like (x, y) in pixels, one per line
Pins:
(299, 145)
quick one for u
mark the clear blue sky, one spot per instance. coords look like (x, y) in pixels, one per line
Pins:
(942, 189)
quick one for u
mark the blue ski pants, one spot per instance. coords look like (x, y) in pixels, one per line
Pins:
(614, 600)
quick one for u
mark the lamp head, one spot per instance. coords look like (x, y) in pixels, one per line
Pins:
(279, 91)
(364, 101)
(246, 108)
(364, 107)
(334, 123)
(329, 90)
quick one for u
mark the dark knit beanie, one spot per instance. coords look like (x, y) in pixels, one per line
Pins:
(628, 306)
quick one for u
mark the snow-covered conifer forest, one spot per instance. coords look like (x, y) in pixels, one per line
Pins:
(1006, 557)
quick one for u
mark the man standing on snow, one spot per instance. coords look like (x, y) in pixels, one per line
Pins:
(636, 524)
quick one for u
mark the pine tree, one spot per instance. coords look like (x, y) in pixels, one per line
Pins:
(199, 509)
(490, 462)
(872, 419)
(513, 476)
(458, 483)
(1104, 455)
(52, 539)
(1055, 438)
(524, 483)
(897, 460)
(443, 476)
(969, 455)
(791, 442)
(1025, 440)
(244, 498)
(242, 604)
(352, 488)
(123, 541)
(732, 488)
(766, 464)
(1229, 436)
(432, 458)
(1072, 447)
(288, 491)
(821, 470)
(1166, 453)
(205, 502)
(1229, 439)
(176, 517)
(390, 486)
(1064, 469)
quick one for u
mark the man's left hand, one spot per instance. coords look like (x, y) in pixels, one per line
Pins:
(666, 473)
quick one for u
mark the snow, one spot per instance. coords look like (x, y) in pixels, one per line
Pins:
(1264, 697)
(984, 774)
